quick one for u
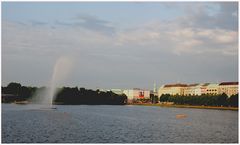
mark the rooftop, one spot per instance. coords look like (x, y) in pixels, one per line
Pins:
(228, 83)
(175, 85)
(193, 85)
(206, 84)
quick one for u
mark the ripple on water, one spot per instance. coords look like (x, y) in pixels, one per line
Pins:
(117, 124)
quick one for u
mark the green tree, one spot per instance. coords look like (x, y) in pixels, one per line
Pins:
(164, 97)
(222, 99)
(233, 101)
(153, 98)
(13, 88)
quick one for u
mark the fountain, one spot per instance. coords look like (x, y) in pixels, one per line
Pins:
(47, 96)
(61, 69)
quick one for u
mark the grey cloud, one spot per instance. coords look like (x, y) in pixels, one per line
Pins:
(71, 24)
(38, 23)
(91, 23)
(226, 18)
(229, 7)
(90, 18)
(28, 23)
(198, 16)
(94, 23)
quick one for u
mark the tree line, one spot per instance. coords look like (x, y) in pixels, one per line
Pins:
(207, 100)
(66, 95)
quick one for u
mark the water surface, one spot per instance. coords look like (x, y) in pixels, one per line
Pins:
(117, 124)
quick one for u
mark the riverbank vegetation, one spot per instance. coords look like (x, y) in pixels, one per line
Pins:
(15, 92)
(202, 100)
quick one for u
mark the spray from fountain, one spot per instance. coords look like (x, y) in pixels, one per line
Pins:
(62, 68)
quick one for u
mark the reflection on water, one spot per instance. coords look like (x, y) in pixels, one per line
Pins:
(117, 124)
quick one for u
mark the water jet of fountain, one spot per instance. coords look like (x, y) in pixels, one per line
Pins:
(62, 67)
(47, 96)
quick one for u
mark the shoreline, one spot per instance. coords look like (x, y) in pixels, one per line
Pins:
(157, 105)
(187, 106)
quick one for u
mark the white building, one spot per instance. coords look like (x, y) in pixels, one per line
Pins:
(172, 89)
(204, 88)
(229, 88)
(192, 89)
(117, 91)
(133, 94)
(200, 89)
(212, 89)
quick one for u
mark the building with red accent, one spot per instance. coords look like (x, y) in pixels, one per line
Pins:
(136, 93)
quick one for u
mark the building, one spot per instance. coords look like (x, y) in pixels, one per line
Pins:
(212, 89)
(192, 89)
(117, 91)
(204, 88)
(172, 89)
(229, 88)
(136, 93)
(200, 89)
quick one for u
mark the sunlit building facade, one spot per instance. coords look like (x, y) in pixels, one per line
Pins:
(172, 89)
(193, 89)
(212, 89)
(204, 88)
(229, 88)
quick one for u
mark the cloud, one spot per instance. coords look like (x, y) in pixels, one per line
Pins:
(38, 23)
(43, 40)
(198, 32)
(91, 23)
(179, 48)
(205, 28)
(182, 40)
(199, 15)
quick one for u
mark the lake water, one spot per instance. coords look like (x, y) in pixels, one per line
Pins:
(117, 124)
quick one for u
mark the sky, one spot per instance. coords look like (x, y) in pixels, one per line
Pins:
(120, 44)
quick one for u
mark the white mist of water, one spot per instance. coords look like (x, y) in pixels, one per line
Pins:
(61, 70)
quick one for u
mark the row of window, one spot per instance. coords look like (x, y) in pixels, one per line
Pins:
(212, 90)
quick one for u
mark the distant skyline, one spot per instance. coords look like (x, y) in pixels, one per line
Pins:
(120, 44)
